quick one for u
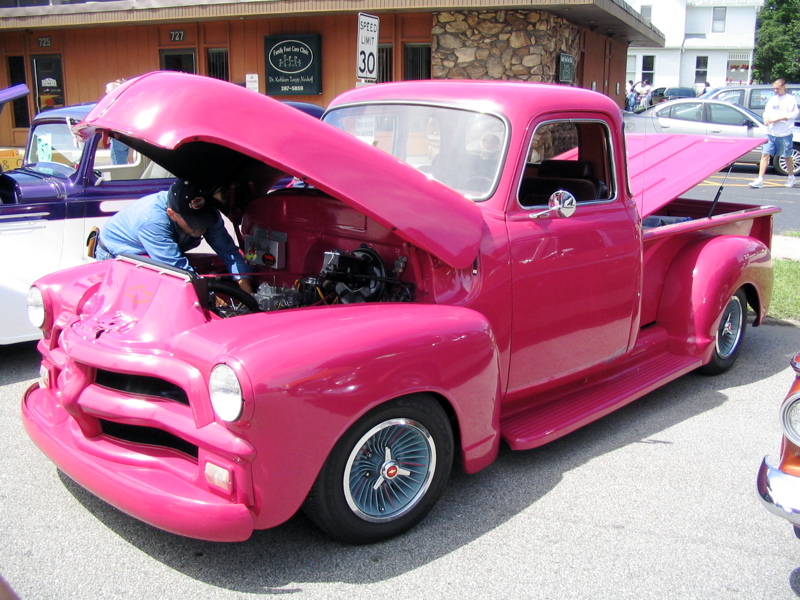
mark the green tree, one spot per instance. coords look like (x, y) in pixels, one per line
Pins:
(778, 42)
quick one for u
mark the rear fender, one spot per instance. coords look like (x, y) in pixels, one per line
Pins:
(315, 372)
(703, 277)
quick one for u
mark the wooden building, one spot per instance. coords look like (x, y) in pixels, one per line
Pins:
(66, 51)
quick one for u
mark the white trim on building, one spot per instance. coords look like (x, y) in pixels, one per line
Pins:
(705, 41)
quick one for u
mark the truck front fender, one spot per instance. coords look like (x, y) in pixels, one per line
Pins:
(701, 280)
(315, 372)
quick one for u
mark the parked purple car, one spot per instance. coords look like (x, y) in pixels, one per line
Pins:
(66, 187)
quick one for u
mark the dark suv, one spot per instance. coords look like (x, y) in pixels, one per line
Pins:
(663, 94)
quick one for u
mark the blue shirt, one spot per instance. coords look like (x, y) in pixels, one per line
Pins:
(144, 227)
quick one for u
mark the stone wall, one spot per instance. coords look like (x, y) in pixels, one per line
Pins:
(505, 44)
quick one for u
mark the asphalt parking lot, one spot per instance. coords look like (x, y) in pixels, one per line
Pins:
(654, 501)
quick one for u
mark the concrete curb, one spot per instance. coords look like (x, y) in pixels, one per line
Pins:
(784, 246)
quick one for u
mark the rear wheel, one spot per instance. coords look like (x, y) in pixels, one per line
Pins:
(386, 473)
(730, 335)
(779, 162)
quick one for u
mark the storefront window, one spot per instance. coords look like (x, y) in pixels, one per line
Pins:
(179, 60)
(19, 108)
(48, 82)
(417, 61)
(385, 63)
(217, 59)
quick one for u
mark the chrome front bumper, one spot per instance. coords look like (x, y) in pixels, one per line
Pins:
(779, 492)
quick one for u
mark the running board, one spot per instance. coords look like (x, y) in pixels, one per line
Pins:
(549, 420)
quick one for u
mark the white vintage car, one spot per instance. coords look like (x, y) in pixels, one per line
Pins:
(49, 206)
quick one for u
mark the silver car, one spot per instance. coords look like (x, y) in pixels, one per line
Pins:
(710, 117)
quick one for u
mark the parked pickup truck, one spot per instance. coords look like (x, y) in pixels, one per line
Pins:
(463, 263)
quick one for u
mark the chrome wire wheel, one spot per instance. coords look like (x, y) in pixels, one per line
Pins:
(389, 470)
(385, 473)
(729, 335)
(779, 162)
(730, 328)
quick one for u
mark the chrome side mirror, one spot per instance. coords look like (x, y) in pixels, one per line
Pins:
(561, 202)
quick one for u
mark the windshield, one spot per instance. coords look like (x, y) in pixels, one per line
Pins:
(53, 143)
(463, 149)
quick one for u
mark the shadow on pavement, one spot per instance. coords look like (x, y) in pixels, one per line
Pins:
(277, 560)
(18, 362)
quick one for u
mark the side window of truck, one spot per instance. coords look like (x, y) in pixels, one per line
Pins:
(574, 156)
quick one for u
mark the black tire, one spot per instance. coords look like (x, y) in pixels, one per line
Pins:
(780, 166)
(386, 473)
(730, 335)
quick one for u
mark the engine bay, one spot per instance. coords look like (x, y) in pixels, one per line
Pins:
(350, 277)
(306, 248)
(346, 277)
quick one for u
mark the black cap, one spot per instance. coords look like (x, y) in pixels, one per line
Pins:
(195, 206)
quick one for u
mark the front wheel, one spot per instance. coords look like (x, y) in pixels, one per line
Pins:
(779, 162)
(730, 335)
(386, 473)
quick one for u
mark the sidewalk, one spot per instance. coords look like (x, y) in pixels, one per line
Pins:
(784, 246)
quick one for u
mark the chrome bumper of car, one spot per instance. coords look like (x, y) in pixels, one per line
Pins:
(779, 492)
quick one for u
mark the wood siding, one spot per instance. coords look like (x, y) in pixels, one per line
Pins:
(92, 57)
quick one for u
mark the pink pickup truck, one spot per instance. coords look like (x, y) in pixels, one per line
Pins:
(457, 263)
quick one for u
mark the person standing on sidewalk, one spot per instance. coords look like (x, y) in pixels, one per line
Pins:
(779, 117)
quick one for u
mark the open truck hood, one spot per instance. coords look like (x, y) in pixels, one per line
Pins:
(664, 166)
(210, 131)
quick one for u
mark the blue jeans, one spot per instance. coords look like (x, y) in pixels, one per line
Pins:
(780, 146)
(119, 152)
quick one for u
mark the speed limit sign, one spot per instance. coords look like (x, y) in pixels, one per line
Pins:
(367, 60)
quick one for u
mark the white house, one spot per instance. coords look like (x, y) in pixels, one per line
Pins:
(705, 41)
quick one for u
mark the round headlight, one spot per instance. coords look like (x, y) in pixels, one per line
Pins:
(36, 312)
(226, 393)
(790, 418)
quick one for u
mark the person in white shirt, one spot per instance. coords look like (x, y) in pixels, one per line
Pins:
(780, 114)
(646, 94)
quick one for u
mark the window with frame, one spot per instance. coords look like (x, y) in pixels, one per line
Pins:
(385, 63)
(217, 61)
(416, 61)
(20, 112)
(648, 68)
(630, 69)
(647, 13)
(573, 156)
(723, 114)
(732, 96)
(718, 19)
(179, 60)
(684, 111)
(701, 69)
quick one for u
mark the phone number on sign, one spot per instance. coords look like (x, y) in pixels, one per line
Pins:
(291, 88)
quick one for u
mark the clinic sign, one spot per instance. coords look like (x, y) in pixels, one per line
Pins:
(367, 57)
(293, 64)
